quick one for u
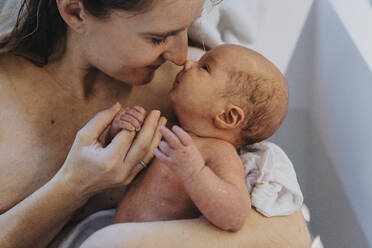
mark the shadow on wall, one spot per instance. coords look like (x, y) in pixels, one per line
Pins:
(301, 136)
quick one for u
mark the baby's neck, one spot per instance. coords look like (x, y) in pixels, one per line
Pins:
(211, 134)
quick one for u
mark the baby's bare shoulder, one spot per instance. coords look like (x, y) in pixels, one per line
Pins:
(220, 156)
(215, 147)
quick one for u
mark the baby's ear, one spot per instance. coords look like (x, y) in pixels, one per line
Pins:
(232, 117)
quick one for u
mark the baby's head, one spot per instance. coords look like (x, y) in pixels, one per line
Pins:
(231, 93)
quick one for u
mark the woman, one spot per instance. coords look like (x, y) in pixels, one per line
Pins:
(85, 50)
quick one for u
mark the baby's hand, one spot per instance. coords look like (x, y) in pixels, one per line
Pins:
(179, 153)
(129, 119)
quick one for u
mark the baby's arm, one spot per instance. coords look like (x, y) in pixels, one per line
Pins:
(217, 187)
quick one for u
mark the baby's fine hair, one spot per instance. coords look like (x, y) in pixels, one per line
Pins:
(264, 101)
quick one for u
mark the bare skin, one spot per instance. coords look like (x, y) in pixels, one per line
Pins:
(36, 134)
(199, 171)
(25, 146)
(257, 232)
(202, 174)
(43, 109)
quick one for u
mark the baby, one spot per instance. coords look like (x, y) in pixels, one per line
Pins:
(231, 97)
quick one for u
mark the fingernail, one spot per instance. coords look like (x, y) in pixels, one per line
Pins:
(157, 113)
(164, 121)
(115, 106)
(175, 126)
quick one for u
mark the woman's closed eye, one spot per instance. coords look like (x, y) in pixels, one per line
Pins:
(158, 41)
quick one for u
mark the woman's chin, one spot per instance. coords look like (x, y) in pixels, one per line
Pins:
(137, 79)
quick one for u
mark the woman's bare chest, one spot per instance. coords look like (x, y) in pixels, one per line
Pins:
(38, 135)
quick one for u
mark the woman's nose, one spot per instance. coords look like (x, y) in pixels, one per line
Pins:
(177, 49)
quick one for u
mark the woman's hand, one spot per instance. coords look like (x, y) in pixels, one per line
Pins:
(90, 167)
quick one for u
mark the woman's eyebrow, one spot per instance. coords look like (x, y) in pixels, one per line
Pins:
(166, 34)
(169, 33)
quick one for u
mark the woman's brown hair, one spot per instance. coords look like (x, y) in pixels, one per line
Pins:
(40, 27)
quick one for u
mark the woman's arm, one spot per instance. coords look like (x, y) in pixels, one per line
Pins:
(37, 219)
(88, 169)
(257, 232)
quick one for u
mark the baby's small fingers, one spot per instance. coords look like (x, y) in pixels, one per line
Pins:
(135, 113)
(131, 120)
(170, 137)
(141, 110)
(182, 135)
(118, 115)
(161, 156)
(164, 148)
(125, 125)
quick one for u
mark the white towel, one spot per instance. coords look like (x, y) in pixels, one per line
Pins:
(227, 22)
(8, 15)
(271, 179)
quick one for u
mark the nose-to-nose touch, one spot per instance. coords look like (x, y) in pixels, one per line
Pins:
(188, 65)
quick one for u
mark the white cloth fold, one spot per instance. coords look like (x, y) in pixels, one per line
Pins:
(87, 227)
(271, 180)
(229, 21)
(8, 15)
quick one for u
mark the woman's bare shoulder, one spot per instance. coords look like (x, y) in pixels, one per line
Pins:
(13, 72)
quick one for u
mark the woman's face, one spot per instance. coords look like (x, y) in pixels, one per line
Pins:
(131, 47)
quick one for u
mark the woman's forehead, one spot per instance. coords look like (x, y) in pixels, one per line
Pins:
(168, 15)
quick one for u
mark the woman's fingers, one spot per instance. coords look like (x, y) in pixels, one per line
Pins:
(140, 148)
(120, 144)
(143, 140)
(94, 128)
(155, 140)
